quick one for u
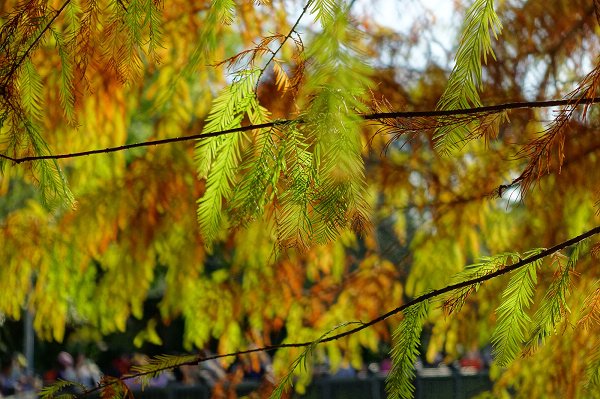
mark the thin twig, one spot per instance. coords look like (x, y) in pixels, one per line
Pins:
(281, 122)
(362, 326)
(285, 39)
(16, 65)
(122, 5)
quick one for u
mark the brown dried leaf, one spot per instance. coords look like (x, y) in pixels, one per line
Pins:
(282, 79)
(551, 144)
(591, 310)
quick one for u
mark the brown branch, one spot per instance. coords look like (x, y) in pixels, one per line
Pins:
(151, 142)
(538, 152)
(17, 64)
(362, 326)
(281, 122)
(285, 39)
(484, 109)
(122, 5)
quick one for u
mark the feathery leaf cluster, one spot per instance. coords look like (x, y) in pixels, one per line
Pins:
(547, 152)
(66, 88)
(114, 388)
(220, 11)
(263, 164)
(554, 304)
(324, 11)
(339, 80)
(54, 189)
(485, 266)
(218, 157)
(74, 31)
(513, 320)
(326, 187)
(313, 173)
(54, 390)
(159, 364)
(405, 350)
(294, 215)
(462, 90)
(593, 372)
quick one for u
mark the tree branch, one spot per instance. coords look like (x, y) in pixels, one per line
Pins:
(17, 64)
(362, 326)
(285, 39)
(281, 122)
(122, 5)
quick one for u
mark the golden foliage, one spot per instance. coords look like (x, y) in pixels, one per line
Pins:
(94, 80)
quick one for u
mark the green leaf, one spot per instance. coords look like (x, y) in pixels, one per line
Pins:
(226, 10)
(217, 158)
(513, 320)
(220, 11)
(23, 134)
(134, 39)
(592, 372)
(486, 265)
(466, 77)
(262, 169)
(54, 189)
(66, 88)
(153, 19)
(405, 350)
(53, 390)
(343, 190)
(554, 305)
(338, 82)
(30, 89)
(294, 220)
(324, 11)
(73, 18)
(149, 334)
(159, 364)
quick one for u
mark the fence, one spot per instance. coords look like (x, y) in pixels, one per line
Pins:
(452, 385)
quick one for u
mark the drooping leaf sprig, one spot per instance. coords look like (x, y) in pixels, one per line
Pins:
(513, 320)
(464, 84)
(217, 158)
(405, 351)
(302, 361)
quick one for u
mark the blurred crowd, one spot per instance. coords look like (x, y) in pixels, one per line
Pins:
(16, 381)
(14, 377)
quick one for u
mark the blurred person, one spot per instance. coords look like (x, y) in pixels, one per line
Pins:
(210, 371)
(63, 371)
(385, 366)
(119, 366)
(471, 362)
(256, 365)
(87, 372)
(345, 370)
(8, 383)
(187, 374)
(27, 382)
(66, 371)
